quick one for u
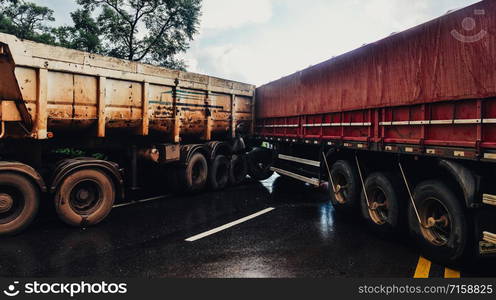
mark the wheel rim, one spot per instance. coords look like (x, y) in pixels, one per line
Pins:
(85, 197)
(379, 207)
(436, 222)
(6, 202)
(263, 167)
(263, 163)
(12, 203)
(340, 188)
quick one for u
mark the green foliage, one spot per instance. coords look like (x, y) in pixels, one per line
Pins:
(73, 153)
(84, 35)
(151, 31)
(70, 152)
(99, 156)
(26, 20)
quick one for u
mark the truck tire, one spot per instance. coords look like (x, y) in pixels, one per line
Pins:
(195, 174)
(345, 196)
(19, 203)
(239, 146)
(218, 173)
(446, 232)
(238, 170)
(85, 198)
(259, 161)
(385, 196)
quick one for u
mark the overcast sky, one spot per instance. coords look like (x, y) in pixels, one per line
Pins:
(257, 41)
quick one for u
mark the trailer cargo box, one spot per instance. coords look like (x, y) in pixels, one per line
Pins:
(432, 84)
(86, 130)
(50, 90)
(402, 130)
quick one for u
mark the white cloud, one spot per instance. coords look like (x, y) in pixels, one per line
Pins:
(400, 13)
(227, 14)
(304, 35)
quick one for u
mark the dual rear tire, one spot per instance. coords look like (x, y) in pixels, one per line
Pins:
(381, 208)
(221, 172)
(443, 233)
(195, 174)
(224, 172)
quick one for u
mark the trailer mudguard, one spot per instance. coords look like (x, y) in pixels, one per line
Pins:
(465, 178)
(187, 151)
(20, 168)
(219, 148)
(68, 166)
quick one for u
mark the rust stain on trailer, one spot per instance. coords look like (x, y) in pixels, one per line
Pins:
(64, 90)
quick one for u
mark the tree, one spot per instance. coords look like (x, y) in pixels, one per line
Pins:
(84, 35)
(26, 20)
(152, 31)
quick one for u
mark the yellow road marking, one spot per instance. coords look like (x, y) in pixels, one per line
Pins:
(449, 273)
(423, 268)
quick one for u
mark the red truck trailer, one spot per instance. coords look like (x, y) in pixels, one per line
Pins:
(403, 130)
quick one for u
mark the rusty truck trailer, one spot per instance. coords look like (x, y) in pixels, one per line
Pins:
(402, 129)
(64, 89)
(84, 128)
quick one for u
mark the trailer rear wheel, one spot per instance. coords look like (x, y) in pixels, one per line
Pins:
(196, 173)
(219, 173)
(444, 232)
(259, 162)
(384, 196)
(19, 202)
(346, 193)
(238, 170)
(85, 197)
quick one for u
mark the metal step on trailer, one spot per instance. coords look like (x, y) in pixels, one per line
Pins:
(489, 199)
(304, 161)
(490, 237)
(313, 181)
(488, 244)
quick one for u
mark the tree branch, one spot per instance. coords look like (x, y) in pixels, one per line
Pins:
(158, 36)
(114, 5)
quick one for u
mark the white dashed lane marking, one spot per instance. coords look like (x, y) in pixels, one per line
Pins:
(228, 225)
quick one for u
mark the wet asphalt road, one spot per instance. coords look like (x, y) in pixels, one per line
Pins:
(301, 237)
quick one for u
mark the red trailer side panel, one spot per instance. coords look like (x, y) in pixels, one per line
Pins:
(434, 62)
